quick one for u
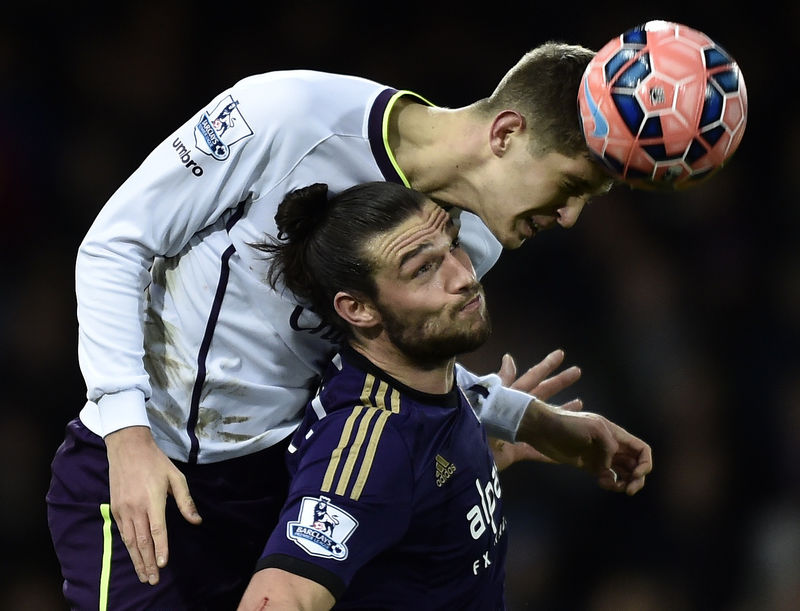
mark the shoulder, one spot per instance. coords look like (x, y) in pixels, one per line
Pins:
(353, 451)
(299, 92)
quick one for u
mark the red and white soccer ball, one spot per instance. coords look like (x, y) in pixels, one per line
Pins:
(663, 106)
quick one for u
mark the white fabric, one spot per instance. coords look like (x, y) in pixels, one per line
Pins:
(149, 268)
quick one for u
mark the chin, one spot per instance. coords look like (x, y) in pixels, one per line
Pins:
(512, 241)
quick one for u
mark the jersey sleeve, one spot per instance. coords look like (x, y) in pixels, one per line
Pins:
(500, 409)
(349, 500)
(189, 182)
(480, 244)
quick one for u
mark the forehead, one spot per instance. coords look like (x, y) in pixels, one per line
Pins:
(391, 248)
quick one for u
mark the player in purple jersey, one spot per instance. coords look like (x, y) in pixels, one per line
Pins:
(395, 499)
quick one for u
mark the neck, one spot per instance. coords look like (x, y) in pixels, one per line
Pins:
(439, 150)
(432, 378)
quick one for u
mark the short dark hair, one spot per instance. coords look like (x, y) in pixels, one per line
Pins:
(543, 86)
(320, 247)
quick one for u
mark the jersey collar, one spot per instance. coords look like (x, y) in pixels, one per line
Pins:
(450, 399)
(378, 130)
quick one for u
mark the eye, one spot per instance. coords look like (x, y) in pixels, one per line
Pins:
(422, 269)
(570, 188)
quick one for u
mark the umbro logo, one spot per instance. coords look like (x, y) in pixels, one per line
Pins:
(444, 470)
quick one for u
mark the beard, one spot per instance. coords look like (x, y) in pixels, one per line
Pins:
(429, 342)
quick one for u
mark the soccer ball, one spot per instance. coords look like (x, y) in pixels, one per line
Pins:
(662, 106)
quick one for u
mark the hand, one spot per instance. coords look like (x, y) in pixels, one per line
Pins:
(506, 453)
(140, 477)
(535, 382)
(590, 442)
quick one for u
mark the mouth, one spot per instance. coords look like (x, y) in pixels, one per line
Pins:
(472, 304)
(529, 228)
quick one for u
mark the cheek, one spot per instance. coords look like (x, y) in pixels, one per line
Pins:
(543, 197)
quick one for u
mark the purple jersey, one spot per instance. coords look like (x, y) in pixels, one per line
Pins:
(395, 501)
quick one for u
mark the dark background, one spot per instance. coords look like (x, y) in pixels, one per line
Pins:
(683, 310)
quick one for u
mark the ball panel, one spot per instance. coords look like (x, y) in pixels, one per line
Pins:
(678, 60)
(733, 115)
(678, 134)
(657, 152)
(634, 74)
(629, 110)
(652, 128)
(712, 106)
(635, 36)
(689, 100)
(617, 62)
(715, 57)
(713, 134)
(696, 151)
(728, 81)
(656, 93)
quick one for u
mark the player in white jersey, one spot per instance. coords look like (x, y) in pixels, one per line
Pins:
(188, 355)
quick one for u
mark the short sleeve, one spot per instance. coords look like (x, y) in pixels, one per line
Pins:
(350, 498)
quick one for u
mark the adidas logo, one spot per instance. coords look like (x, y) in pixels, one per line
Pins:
(444, 470)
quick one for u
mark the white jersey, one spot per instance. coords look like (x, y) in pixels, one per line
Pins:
(178, 330)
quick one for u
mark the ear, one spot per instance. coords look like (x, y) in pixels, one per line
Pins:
(356, 311)
(505, 124)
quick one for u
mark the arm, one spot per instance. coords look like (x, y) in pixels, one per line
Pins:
(527, 428)
(358, 526)
(154, 213)
(590, 442)
(281, 590)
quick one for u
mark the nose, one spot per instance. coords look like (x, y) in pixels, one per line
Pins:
(460, 275)
(568, 214)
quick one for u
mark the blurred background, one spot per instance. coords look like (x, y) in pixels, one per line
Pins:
(682, 310)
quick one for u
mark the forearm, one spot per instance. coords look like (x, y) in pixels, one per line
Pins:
(278, 590)
(109, 287)
(536, 424)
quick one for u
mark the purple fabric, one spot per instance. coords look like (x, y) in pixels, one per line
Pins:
(209, 565)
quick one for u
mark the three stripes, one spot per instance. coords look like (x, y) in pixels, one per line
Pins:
(361, 434)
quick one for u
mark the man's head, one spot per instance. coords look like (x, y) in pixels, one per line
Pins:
(383, 264)
(539, 172)
(543, 86)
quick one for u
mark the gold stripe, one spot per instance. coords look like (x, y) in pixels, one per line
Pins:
(380, 395)
(385, 130)
(327, 481)
(105, 570)
(369, 384)
(369, 455)
(355, 449)
(336, 455)
(394, 401)
(441, 461)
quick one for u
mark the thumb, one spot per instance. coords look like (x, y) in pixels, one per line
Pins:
(611, 448)
(508, 370)
(184, 501)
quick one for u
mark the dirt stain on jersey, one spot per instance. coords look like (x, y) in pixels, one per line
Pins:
(210, 422)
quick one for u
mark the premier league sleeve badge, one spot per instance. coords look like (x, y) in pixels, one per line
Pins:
(322, 529)
(220, 128)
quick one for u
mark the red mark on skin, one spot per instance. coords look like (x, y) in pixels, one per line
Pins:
(263, 605)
